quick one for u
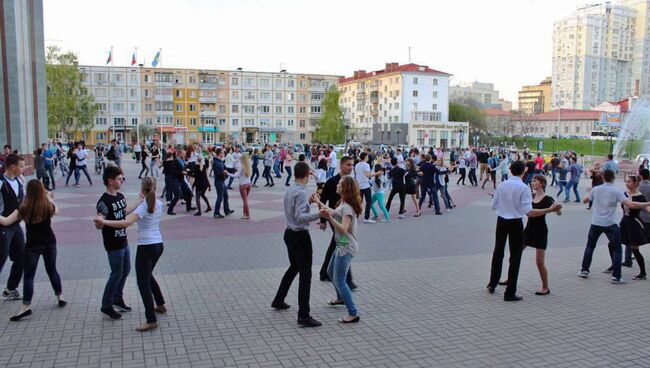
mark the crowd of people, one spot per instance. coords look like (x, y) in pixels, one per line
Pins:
(350, 188)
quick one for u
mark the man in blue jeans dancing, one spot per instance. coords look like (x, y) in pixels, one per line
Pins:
(220, 175)
(112, 206)
(606, 198)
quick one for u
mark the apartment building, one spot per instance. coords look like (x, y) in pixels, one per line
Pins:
(535, 99)
(482, 93)
(195, 105)
(384, 106)
(594, 56)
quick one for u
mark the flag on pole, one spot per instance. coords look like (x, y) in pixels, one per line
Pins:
(110, 56)
(134, 57)
(156, 59)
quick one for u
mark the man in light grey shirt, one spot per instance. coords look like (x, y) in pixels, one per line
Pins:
(606, 198)
(298, 242)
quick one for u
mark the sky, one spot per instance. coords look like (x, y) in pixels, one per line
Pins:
(505, 42)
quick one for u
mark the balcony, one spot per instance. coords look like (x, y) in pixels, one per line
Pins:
(164, 98)
(361, 96)
(374, 111)
(208, 99)
(374, 97)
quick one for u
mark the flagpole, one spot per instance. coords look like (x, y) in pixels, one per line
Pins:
(112, 56)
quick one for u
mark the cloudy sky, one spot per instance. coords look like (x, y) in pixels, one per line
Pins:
(506, 42)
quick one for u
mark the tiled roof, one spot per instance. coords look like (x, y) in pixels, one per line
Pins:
(392, 68)
(497, 112)
(567, 114)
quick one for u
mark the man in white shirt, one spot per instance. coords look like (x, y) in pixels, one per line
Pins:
(362, 174)
(137, 149)
(12, 238)
(81, 154)
(332, 162)
(512, 201)
(605, 200)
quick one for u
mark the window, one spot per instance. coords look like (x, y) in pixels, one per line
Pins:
(302, 110)
(147, 92)
(118, 106)
(222, 122)
(435, 94)
(291, 96)
(179, 93)
(132, 107)
(248, 109)
(278, 83)
(315, 109)
(278, 96)
(148, 107)
(133, 92)
(249, 95)
(179, 107)
(291, 109)
(192, 93)
(235, 109)
(577, 129)
(119, 121)
(147, 78)
(118, 93)
(192, 79)
(234, 81)
(317, 96)
(192, 107)
(303, 97)
(415, 81)
(192, 120)
(134, 121)
(415, 93)
(234, 122)
(265, 95)
(100, 92)
(434, 107)
(235, 95)
(118, 77)
(222, 109)
(179, 122)
(265, 82)
(100, 121)
(101, 107)
(148, 121)
(265, 109)
(249, 82)
(302, 136)
(435, 82)
(101, 136)
(301, 123)
(278, 110)
(290, 122)
(291, 83)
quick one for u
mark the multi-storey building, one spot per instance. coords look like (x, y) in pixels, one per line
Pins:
(399, 104)
(482, 93)
(593, 55)
(535, 99)
(191, 105)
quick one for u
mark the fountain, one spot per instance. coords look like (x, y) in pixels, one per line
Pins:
(635, 127)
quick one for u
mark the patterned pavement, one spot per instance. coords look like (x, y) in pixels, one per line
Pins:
(421, 297)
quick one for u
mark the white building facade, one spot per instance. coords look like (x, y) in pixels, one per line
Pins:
(593, 56)
(483, 93)
(381, 106)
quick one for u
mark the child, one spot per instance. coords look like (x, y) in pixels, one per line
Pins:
(150, 248)
(37, 211)
(378, 185)
(321, 175)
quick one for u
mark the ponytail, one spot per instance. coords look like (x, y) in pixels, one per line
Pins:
(149, 191)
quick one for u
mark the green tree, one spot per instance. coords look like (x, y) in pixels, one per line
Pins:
(467, 110)
(330, 127)
(70, 108)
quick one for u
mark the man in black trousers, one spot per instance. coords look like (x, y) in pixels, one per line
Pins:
(512, 201)
(330, 197)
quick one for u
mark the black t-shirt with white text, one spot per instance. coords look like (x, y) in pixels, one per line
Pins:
(113, 208)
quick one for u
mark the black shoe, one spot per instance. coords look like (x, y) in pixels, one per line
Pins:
(490, 289)
(122, 306)
(352, 285)
(111, 313)
(198, 213)
(218, 215)
(325, 278)
(308, 322)
(438, 213)
(229, 188)
(267, 185)
(503, 282)
(171, 213)
(543, 293)
(229, 212)
(513, 298)
(272, 184)
(62, 303)
(280, 306)
(429, 206)
(20, 316)
(208, 210)
(626, 264)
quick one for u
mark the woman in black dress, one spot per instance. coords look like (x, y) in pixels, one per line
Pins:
(410, 180)
(536, 231)
(201, 183)
(632, 231)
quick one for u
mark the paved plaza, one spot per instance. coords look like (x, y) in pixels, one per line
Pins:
(421, 295)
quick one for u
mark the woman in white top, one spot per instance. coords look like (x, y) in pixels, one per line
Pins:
(378, 185)
(288, 165)
(244, 177)
(229, 163)
(150, 248)
(344, 221)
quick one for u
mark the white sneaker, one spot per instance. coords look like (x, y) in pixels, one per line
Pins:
(369, 221)
(618, 281)
(401, 216)
(583, 274)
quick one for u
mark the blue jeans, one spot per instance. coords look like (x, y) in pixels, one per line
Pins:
(288, 170)
(504, 177)
(222, 196)
(276, 169)
(32, 255)
(433, 196)
(338, 272)
(553, 175)
(120, 263)
(567, 191)
(613, 234)
(330, 172)
(563, 185)
(12, 246)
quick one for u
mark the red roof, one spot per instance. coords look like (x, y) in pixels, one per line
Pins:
(624, 104)
(497, 112)
(391, 68)
(567, 114)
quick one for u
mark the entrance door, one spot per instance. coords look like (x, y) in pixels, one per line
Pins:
(249, 137)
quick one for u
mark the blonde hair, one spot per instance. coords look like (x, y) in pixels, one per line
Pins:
(246, 165)
(148, 189)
